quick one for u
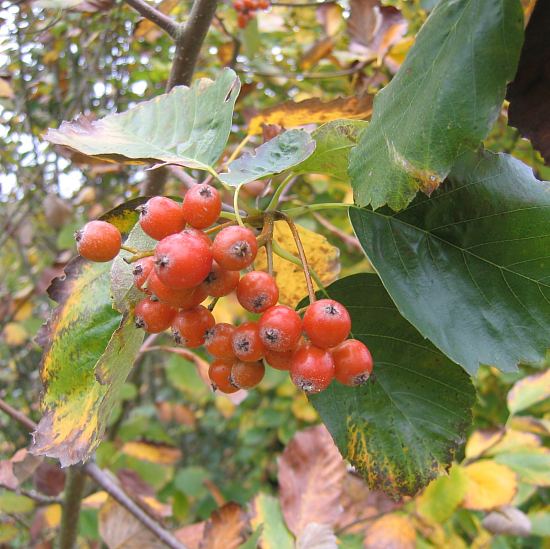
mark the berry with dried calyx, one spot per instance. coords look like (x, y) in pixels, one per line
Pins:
(279, 360)
(190, 327)
(160, 217)
(219, 374)
(327, 323)
(280, 328)
(220, 282)
(153, 316)
(98, 241)
(219, 340)
(141, 271)
(182, 260)
(247, 344)
(185, 298)
(246, 375)
(311, 368)
(202, 205)
(234, 248)
(352, 362)
(257, 291)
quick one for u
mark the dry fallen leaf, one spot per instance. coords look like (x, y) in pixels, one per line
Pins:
(391, 532)
(191, 535)
(5, 89)
(312, 111)
(317, 536)
(227, 528)
(311, 476)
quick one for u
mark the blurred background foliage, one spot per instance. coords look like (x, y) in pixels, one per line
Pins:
(187, 450)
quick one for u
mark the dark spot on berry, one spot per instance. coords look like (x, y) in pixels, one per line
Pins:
(142, 210)
(270, 334)
(209, 336)
(177, 337)
(137, 270)
(331, 310)
(259, 301)
(212, 277)
(78, 236)
(154, 298)
(162, 261)
(360, 379)
(240, 249)
(205, 191)
(242, 344)
(232, 382)
(139, 322)
(214, 387)
(305, 384)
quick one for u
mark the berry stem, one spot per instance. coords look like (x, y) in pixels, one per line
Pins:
(212, 304)
(278, 192)
(267, 232)
(138, 256)
(299, 210)
(219, 227)
(129, 249)
(236, 205)
(238, 149)
(269, 255)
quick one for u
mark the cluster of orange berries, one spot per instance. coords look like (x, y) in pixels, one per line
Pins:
(247, 8)
(187, 267)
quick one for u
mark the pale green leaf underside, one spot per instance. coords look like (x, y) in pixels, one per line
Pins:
(277, 155)
(405, 425)
(187, 126)
(443, 100)
(470, 267)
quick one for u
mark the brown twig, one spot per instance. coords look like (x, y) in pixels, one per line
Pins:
(106, 481)
(350, 241)
(161, 20)
(74, 490)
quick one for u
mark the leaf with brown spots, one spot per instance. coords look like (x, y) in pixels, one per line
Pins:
(312, 111)
(311, 476)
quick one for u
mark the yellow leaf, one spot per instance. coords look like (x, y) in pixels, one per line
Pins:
(397, 54)
(322, 256)
(6, 89)
(14, 334)
(95, 501)
(391, 532)
(312, 111)
(480, 441)
(24, 311)
(489, 485)
(302, 409)
(318, 51)
(52, 515)
(155, 453)
(149, 31)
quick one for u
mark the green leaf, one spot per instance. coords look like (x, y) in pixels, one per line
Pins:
(277, 155)
(532, 466)
(123, 291)
(402, 428)
(89, 350)
(268, 515)
(334, 141)
(529, 391)
(443, 100)
(540, 522)
(15, 503)
(469, 267)
(187, 126)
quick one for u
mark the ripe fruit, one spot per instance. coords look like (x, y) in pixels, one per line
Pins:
(182, 260)
(235, 248)
(280, 328)
(257, 291)
(196, 233)
(202, 206)
(220, 282)
(98, 241)
(160, 217)
(219, 340)
(327, 323)
(142, 269)
(352, 362)
(279, 361)
(219, 374)
(190, 327)
(246, 375)
(246, 341)
(185, 298)
(153, 316)
(311, 368)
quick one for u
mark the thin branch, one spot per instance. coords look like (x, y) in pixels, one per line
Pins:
(350, 241)
(161, 20)
(41, 499)
(74, 490)
(301, 4)
(108, 483)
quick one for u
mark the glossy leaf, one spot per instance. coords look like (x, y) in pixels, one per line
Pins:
(89, 350)
(403, 427)
(334, 142)
(443, 100)
(187, 126)
(469, 267)
(274, 156)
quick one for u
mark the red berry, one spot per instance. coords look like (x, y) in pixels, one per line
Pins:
(247, 344)
(257, 291)
(238, 5)
(196, 233)
(160, 217)
(202, 205)
(220, 282)
(182, 260)
(98, 241)
(219, 374)
(327, 323)
(235, 248)
(190, 327)
(311, 368)
(219, 340)
(153, 316)
(142, 269)
(279, 361)
(249, 4)
(242, 20)
(263, 4)
(185, 298)
(352, 362)
(246, 375)
(280, 328)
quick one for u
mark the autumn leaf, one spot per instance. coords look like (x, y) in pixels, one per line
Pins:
(267, 516)
(312, 111)
(529, 391)
(149, 31)
(5, 89)
(481, 440)
(18, 468)
(322, 256)
(155, 453)
(391, 532)
(227, 528)
(489, 485)
(309, 461)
